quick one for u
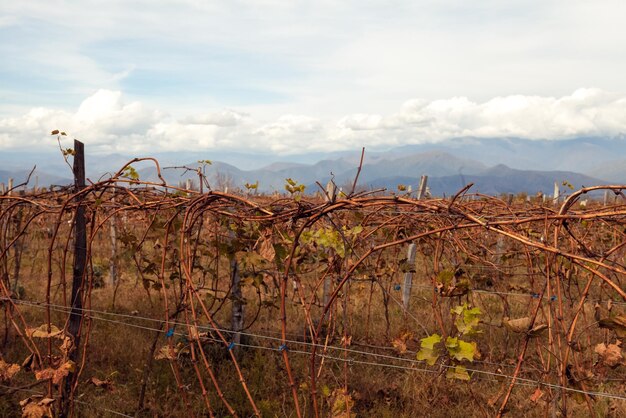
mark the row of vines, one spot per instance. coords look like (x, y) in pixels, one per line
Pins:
(303, 306)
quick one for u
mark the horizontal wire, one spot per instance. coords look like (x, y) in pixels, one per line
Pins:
(365, 353)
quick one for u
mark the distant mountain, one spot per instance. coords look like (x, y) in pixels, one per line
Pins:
(38, 178)
(495, 165)
(493, 181)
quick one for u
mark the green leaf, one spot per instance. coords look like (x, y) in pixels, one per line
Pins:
(428, 352)
(458, 372)
(467, 319)
(460, 349)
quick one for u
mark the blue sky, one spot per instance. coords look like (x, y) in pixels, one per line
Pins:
(295, 76)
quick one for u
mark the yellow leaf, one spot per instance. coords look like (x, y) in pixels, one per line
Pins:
(458, 372)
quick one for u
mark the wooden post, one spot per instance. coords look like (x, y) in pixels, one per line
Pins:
(10, 192)
(113, 235)
(408, 276)
(236, 323)
(606, 197)
(555, 195)
(327, 289)
(188, 184)
(237, 313)
(331, 192)
(2, 189)
(421, 190)
(78, 277)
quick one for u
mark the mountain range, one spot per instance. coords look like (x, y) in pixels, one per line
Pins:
(494, 165)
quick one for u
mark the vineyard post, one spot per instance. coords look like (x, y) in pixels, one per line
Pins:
(80, 261)
(10, 191)
(113, 234)
(408, 276)
(18, 249)
(327, 291)
(237, 315)
(606, 197)
(421, 191)
(555, 196)
(2, 190)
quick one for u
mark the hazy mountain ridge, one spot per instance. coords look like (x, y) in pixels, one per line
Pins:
(502, 165)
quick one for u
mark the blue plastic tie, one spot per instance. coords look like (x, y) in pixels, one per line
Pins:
(170, 333)
(535, 295)
(283, 347)
(231, 345)
(397, 287)
(552, 298)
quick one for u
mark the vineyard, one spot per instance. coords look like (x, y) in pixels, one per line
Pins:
(123, 297)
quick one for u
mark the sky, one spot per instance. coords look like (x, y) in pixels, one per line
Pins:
(286, 77)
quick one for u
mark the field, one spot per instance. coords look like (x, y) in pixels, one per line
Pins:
(370, 304)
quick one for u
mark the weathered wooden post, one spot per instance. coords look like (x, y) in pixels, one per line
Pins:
(555, 195)
(2, 188)
(78, 276)
(408, 276)
(113, 235)
(421, 190)
(606, 198)
(327, 289)
(10, 187)
(331, 192)
(237, 313)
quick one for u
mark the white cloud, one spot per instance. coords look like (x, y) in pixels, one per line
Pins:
(222, 118)
(106, 121)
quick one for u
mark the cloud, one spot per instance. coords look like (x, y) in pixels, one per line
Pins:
(107, 121)
(222, 118)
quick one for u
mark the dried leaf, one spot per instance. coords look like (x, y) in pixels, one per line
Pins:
(399, 345)
(7, 370)
(616, 323)
(42, 331)
(55, 132)
(166, 353)
(266, 250)
(536, 395)
(28, 363)
(33, 409)
(56, 374)
(517, 325)
(104, 384)
(67, 346)
(611, 355)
